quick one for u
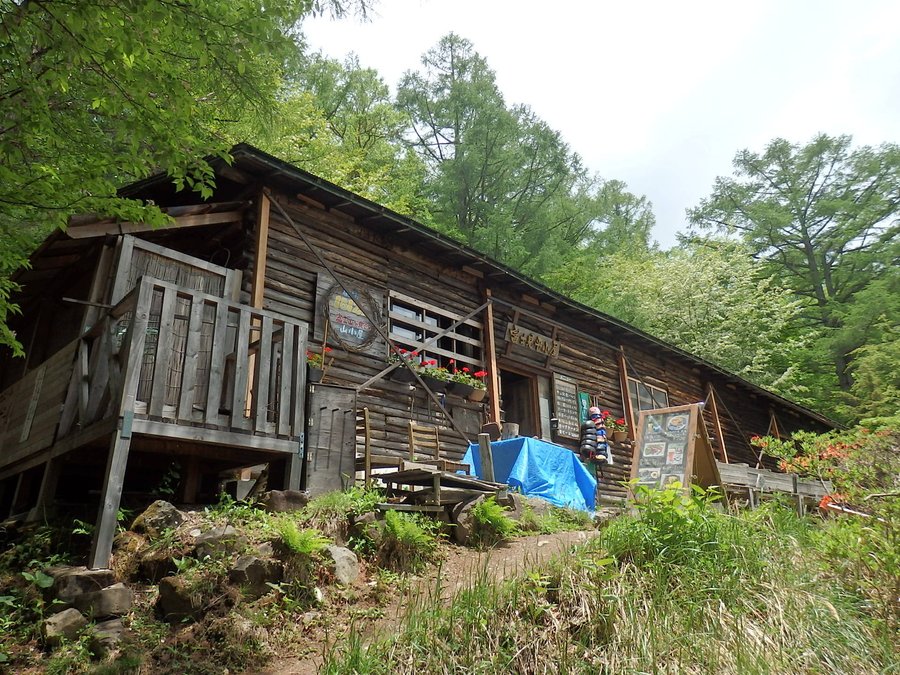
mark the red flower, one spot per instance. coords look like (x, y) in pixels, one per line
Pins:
(465, 369)
(480, 373)
(328, 349)
(621, 420)
(605, 414)
(451, 361)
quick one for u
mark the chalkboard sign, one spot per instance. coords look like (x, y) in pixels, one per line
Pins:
(565, 403)
(672, 446)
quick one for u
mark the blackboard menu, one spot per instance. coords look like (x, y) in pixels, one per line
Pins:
(664, 447)
(565, 403)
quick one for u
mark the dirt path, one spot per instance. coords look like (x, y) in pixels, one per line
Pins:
(459, 570)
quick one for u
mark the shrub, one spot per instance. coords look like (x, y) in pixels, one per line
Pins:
(408, 542)
(331, 512)
(491, 525)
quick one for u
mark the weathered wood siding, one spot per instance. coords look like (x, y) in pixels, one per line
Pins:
(589, 349)
(363, 258)
(30, 409)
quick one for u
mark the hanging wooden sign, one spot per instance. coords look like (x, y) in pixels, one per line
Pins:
(346, 313)
(523, 337)
(672, 446)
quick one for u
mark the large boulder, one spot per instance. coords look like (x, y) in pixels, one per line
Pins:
(115, 600)
(344, 564)
(254, 574)
(218, 541)
(65, 624)
(70, 583)
(284, 501)
(157, 518)
(177, 601)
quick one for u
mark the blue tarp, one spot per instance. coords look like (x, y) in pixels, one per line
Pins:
(539, 469)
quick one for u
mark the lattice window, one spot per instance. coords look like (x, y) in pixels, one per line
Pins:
(413, 322)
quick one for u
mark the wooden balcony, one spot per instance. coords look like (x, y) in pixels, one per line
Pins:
(168, 362)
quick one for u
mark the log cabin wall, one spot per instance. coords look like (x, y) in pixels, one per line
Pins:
(368, 261)
(588, 348)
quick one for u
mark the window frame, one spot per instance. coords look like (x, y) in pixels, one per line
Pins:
(420, 321)
(635, 401)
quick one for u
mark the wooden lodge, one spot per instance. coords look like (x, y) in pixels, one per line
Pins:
(176, 356)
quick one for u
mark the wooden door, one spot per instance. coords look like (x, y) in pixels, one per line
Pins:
(331, 439)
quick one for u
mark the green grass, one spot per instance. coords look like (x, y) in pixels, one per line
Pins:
(681, 587)
(491, 524)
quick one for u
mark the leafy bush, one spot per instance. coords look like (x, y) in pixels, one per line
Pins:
(331, 512)
(408, 541)
(491, 524)
(557, 519)
(306, 542)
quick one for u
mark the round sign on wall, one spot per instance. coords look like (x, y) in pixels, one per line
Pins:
(346, 312)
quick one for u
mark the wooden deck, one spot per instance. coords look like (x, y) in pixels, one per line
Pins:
(169, 362)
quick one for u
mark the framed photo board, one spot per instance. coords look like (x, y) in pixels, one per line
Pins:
(672, 445)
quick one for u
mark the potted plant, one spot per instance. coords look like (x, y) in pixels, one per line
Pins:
(410, 362)
(435, 377)
(618, 428)
(466, 384)
(318, 363)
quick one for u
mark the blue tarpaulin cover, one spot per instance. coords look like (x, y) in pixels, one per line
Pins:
(539, 469)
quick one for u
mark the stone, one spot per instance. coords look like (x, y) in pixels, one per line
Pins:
(115, 600)
(154, 565)
(177, 602)
(318, 595)
(65, 624)
(106, 637)
(219, 540)
(72, 582)
(344, 564)
(265, 549)
(284, 501)
(463, 520)
(157, 518)
(254, 574)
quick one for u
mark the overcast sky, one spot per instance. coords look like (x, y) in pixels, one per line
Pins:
(661, 94)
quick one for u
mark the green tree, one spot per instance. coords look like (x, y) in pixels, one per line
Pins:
(499, 177)
(93, 95)
(824, 218)
(708, 297)
(337, 120)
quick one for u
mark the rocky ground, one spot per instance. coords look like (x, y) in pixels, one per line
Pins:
(268, 588)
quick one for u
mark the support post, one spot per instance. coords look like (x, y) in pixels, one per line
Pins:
(294, 466)
(47, 490)
(486, 456)
(490, 354)
(711, 395)
(113, 479)
(626, 398)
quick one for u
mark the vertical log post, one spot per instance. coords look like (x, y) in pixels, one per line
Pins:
(486, 457)
(490, 358)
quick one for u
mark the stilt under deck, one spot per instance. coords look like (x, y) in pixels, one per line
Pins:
(166, 368)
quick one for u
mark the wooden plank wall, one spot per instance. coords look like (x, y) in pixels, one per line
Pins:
(361, 256)
(30, 409)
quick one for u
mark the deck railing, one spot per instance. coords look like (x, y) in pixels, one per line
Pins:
(175, 355)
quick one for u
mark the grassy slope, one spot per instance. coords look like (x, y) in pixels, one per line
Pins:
(683, 589)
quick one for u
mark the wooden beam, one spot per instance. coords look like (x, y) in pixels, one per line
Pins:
(128, 227)
(711, 395)
(626, 397)
(262, 247)
(490, 358)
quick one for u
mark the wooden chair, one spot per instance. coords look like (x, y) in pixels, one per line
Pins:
(425, 438)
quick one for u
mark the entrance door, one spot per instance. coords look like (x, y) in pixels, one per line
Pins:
(519, 402)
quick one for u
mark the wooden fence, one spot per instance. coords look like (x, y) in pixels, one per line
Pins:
(188, 358)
